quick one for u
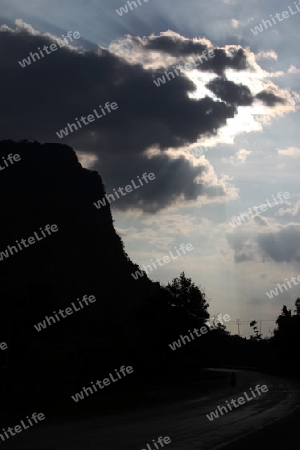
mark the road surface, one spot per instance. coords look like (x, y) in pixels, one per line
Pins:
(184, 421)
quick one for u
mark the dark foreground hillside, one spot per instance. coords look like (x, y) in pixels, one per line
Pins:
(47, 185)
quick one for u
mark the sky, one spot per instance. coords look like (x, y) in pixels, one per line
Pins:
(238, 105)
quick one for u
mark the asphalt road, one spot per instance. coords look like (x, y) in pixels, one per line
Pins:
(184, 421)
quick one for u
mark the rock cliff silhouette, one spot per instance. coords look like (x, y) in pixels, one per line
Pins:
(85, 256)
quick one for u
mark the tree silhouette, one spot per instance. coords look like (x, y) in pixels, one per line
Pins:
(219, 328)
(257, 336)
(186, 295)
(287, 338)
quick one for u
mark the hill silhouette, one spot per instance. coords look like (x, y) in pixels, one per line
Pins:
(85, 256)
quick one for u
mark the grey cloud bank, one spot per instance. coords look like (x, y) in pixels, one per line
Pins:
(131, 86)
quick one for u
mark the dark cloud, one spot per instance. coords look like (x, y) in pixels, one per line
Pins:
(261, 222)
(178, 47)
(236, 60)
(43, 97)
(269, 99)
(242, 257)
(230, 92)
(174, 45)
(243, 249)
(283, 246)
(173, 179)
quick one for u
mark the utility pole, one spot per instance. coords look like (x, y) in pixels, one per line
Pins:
(238, 324)
(271, 332)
